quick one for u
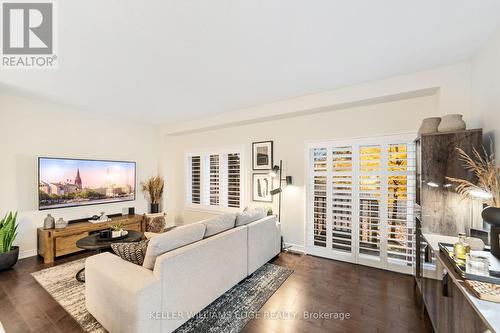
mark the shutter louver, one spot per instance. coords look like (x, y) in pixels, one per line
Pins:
(400, 198)
(233, 180)
(214, 180)
(319, 196)
(369, 200)
(342, 198)
(195, 179)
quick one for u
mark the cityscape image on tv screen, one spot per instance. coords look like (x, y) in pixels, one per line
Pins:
(73, 182)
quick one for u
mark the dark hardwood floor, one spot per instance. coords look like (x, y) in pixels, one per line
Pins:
(376, 300)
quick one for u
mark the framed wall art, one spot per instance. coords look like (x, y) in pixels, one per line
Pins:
(262, 155)
(262, 184)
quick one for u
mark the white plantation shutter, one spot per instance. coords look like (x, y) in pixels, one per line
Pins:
(360, 201)
(233, 180)
(194, 190)
(342, 198)
(369, 189)
(400, 198)
(318, 196)
(214, 180)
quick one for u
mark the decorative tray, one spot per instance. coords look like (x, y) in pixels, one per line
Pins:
(494, 263)
(99, 221)
(104, 239)
(485, 291)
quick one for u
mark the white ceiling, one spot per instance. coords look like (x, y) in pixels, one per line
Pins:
(165, 61)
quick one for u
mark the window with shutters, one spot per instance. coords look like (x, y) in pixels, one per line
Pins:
(360, 201)
(214, 180)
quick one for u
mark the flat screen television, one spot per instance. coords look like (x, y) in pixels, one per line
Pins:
(65, 182)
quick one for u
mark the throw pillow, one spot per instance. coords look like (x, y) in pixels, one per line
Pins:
(132, 251)
(219, 224)
(250, 215)
(171, 240)
(155, 222)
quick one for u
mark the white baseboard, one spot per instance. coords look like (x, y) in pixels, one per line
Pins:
(295, 248)
(27, 253)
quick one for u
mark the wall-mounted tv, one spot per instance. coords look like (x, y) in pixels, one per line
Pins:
(64, 182)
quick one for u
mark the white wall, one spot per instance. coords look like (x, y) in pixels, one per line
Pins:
(31, 127)
(486, 89)
(452, 83)
(290, 136)
(391, 106)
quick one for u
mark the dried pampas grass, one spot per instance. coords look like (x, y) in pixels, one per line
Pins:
(487, 173)
(154, 188)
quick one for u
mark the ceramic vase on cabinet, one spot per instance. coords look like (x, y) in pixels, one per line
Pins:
(429, 125)
(49, 222)
(451, 123)
(61, 223)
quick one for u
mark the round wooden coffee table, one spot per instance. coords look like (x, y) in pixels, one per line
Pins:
(94, 244)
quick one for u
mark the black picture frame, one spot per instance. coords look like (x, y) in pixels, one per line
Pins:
(270, 157)
(42, 208)
(270, 187)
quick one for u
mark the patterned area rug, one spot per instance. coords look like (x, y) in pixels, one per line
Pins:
(228, 313)
(60, 283)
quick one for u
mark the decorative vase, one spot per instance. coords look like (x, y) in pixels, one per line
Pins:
(49, 222)
(491, 215)
(9, 259)
(116, 233)
(451, 123)
(429, 125)
(155, 208)
(61, 223)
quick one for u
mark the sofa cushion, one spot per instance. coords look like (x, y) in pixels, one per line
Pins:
(219, 224)
(131, 251)
(250, 215)
(171, 240)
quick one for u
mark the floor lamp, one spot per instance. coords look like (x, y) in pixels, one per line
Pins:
(278, 171)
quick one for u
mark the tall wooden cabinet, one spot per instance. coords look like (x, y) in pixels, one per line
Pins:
(441, 210)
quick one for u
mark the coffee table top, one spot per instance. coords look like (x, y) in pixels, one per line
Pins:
(91, 242)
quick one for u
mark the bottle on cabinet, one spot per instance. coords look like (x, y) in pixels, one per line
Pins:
(461, 248)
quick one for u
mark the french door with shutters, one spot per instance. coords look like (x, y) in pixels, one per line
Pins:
(360, 201)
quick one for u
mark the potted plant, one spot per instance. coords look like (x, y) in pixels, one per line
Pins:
(8, 232)
(487, 188)
(153, 188)
(269, 210)
(116, 230)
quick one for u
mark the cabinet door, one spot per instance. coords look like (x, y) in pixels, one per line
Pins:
(67, 244)
(465, 319)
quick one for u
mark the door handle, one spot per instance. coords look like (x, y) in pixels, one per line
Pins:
(446, 285)
(427, 255)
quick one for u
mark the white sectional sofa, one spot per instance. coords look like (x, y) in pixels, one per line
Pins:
(184, 270)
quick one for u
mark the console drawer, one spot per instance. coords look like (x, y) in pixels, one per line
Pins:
(67, 244)
(133, 226)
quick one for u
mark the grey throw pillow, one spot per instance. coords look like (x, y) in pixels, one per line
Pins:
(172, 240)
(250, 215)
(132, 251)
(219, 224)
